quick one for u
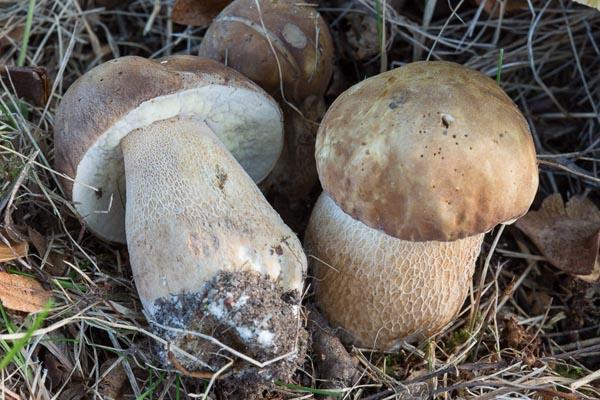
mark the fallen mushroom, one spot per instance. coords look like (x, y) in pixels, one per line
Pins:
(287, 50)
(208, 253)
(417, 164)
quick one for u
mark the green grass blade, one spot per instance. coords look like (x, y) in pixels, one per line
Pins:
(19, 344)
(500, 63)
(152, 387)
(26, 33)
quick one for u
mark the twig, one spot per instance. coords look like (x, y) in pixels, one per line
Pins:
(227, 348)
(569, 170)
(486, 265)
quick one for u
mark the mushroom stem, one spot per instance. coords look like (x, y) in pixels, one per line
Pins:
(193, 214)
(407, 290)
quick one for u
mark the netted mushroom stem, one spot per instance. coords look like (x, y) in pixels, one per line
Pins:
(195, 218)
(380, 289)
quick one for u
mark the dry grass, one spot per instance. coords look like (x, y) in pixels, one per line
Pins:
(535, 332)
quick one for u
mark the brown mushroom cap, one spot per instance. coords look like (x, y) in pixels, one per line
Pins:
(428, 151)
(127, 93)
(296, 31)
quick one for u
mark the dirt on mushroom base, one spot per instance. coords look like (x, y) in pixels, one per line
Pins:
(246, 311)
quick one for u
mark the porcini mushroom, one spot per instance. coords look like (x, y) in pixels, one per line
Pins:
(164, 153)
(294, 30)
(417, 164)
(288, 51)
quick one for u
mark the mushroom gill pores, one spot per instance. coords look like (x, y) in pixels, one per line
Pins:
(286, 48)
(183, 139)
(417, 164)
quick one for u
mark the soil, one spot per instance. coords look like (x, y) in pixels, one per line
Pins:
(245, 311)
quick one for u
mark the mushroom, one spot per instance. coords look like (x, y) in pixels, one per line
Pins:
(288, 51)
(165, 154)
(294, 30)
(417, 164)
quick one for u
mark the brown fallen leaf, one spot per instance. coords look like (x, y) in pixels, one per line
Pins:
(519, 338)
(13, 251)
(112, 385)
(75, 391)
(362, 36)
(30, 83)
(55, 370)
(22, 293)
(567, 235)
(55, 264)
(11, 36)
(58, 360)
(197, 12)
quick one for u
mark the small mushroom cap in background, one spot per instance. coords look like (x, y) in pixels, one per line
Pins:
(428, 151)
(296, 31)
(127, 93)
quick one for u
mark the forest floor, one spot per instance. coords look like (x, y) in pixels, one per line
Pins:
(535, 332)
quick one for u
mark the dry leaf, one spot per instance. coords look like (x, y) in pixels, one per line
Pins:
(58, 359)
(568, 236)
(197, 12)
(13, 251)
(75, 391)
(552, 394)
(590, 3)
(112, 385)
(57, 371)
(11, 37)
(362, 36)
(38, 240)
(30, 83)
(55, 264)
(22, 293)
